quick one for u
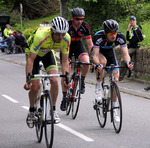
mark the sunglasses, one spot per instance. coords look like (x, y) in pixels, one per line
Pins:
(79, 19)
(60, 34)
(112, 33)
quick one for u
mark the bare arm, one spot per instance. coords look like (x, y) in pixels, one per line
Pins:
(29, 64)
(89, 44)
(96, 55)
(65, 63)
(126, 54)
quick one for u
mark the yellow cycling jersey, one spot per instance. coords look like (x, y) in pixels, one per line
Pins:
(40, 42)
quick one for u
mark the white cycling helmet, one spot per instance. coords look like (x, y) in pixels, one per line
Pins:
(59, 25)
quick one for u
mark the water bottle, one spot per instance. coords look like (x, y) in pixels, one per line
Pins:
(106, 91)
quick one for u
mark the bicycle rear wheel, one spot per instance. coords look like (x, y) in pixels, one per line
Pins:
(118, 107)
(38, 123)
(76, 97)
(68, 101)
(49, 120)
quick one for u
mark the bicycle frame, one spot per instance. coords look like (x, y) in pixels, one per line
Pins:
(75, 75)
(74, 93)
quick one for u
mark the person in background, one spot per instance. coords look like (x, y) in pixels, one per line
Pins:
(7, 31)
(10, 43)
(23, 40)
(134, 36)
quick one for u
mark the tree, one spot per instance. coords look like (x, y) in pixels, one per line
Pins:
(37, 8)
(131, 6)
(63, 8)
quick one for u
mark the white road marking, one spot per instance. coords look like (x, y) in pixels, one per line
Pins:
(10, 99)
(75, 133)
(25, 107)
(67, 128)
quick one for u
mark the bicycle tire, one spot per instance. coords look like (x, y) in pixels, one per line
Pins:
(117, 125)
(68, 101)
(49, 120)
(38, 123)
(76, 99)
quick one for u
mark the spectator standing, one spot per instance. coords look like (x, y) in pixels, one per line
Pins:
(134, 36)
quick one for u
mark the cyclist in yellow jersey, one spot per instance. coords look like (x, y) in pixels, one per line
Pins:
(41, 46)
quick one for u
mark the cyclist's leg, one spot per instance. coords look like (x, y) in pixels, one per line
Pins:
(50, 64)
(82, 55)
(99, 78)
(64, 90)
(33, 94)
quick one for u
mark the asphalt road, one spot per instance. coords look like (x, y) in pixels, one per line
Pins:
(83, 132)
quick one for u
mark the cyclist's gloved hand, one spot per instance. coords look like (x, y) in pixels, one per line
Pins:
(130, 65)
(99, 67)
(27, 87)
(28, 84)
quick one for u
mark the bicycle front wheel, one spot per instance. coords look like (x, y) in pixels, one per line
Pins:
(38, 123)
(76, 97)
(116, 109)
(49, 120)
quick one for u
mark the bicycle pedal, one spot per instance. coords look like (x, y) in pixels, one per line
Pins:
(39, 110)
(95, 107)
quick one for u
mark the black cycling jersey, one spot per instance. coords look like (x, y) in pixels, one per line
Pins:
(83, 30)
(106, 47)
(77, 47)
(101, 40)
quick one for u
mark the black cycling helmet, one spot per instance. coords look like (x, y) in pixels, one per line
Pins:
(78, 12)
(110, 25)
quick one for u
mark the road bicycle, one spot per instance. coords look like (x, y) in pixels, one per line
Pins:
(74, 93)
(110, 91)
(44, 107)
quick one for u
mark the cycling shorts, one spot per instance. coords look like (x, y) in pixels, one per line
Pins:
(110, 55)
(48, 60)
(77, 48)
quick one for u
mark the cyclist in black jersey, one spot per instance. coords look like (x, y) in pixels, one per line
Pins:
(103, 54)
(77, 29)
